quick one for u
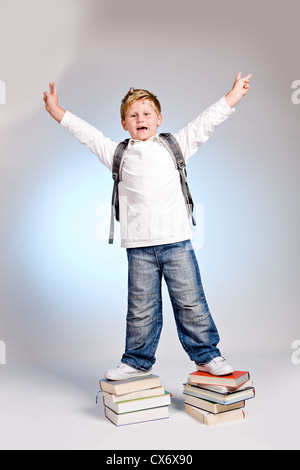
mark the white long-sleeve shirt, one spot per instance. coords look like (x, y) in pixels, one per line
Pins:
(152, 206)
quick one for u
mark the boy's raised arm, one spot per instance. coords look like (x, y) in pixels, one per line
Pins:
(51, 103)
(87, 134)
(240, 88)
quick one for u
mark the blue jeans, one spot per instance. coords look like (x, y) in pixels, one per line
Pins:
(178, 265)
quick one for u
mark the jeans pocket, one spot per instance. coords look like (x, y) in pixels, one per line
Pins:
(181, 247)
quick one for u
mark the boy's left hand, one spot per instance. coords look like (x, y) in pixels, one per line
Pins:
(242, 84)
(240, 88)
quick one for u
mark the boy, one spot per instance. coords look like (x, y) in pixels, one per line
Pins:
(155, 228)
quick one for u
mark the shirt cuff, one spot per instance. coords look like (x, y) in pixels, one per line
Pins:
(66, 119)
(227, 109)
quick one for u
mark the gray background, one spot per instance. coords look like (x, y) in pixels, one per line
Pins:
(62, 288)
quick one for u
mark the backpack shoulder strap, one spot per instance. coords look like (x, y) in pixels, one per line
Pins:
(117, 160)
(116, 175)
(171, 144)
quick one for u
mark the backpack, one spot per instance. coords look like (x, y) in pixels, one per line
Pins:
(170, 143)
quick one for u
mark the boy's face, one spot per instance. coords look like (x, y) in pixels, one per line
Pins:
(141, 120)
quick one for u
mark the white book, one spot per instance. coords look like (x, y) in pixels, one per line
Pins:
(150, 392)
(139, 404)
(137, 416)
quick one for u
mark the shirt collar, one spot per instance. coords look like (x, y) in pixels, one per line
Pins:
(155, 138)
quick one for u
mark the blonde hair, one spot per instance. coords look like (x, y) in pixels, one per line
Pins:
(136, 94)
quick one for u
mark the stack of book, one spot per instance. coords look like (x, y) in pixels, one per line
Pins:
(213, 399)
(135, 400)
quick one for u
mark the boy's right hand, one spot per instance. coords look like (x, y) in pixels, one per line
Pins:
(51, 103)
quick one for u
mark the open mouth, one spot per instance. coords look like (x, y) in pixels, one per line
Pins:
(142, 129)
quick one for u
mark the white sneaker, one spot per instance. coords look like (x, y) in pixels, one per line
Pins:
(123, 372)
(218, 366)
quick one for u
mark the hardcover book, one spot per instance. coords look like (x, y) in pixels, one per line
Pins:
(120, 387)
(136, 417)
(210, 419)
(235, 379)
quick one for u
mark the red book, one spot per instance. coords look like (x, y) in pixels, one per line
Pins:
(235, 379)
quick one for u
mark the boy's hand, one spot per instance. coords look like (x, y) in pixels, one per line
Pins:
(240, 88)
(51, 103)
